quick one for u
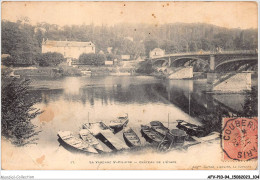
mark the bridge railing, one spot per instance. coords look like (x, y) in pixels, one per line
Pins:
(211, 53)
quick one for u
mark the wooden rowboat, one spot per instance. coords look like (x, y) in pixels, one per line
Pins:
(131, 138)
(159, 127)
(105, 135)
(90, 139)
(96, 128)
(118, 124)
(192, 129)
(150, 135)
(67, 139)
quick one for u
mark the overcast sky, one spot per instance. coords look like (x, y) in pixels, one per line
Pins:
(226, 14)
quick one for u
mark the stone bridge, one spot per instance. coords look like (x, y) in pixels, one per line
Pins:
(217, 60)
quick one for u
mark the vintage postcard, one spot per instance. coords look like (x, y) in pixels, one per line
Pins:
(129, 85)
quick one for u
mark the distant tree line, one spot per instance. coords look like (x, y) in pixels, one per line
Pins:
(23, 41)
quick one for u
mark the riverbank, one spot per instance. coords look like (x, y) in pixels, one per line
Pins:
(81, 70)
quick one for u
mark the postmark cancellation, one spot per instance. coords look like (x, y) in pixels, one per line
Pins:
(240, 138)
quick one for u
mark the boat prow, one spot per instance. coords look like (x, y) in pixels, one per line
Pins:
(67, 139)
(118, 124)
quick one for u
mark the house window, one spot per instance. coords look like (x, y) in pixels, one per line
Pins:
(92, 48)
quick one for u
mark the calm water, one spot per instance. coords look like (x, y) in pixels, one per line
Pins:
(67, 102)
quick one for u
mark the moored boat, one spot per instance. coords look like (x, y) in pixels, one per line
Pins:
(90, 139)
(163, 143)
(69, 140)
(150, 135)
(118, 124)
(192, 129)
(106, 135)
(159, 127)
(131, 138)
(95, 128)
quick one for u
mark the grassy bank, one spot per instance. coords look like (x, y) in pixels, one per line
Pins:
(59, 71)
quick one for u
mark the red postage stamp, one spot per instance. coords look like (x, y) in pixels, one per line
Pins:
(240, 138)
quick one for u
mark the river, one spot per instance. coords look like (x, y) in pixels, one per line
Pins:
(70, 102)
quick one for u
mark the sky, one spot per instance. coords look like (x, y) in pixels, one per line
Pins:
(242, 15)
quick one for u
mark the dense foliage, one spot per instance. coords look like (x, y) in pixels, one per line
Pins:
(20, 42)
(92, 59)
(17, 111)
(50, 59)
(23, 41)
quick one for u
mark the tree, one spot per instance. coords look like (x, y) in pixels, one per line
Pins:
(111, 57)
(205, 45)
(50, 59)
(92, 59)
(17, 111)
(150, 44)
(193, 47)
(39, 37)
(145, 67)
(8, 61)
(18, 40)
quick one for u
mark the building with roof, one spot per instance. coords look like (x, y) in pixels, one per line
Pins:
(125, 57)
(69, 49)
(157, 52)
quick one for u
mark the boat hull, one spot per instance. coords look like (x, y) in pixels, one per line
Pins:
(191, 129)
(131, 138)
(150, 135)
(159, 127)
(83, 148)
(105, 135)
(91, 140)
(118, 127)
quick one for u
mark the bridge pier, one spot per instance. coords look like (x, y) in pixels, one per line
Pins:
(182, 73)
(229, 82)
(212, 63)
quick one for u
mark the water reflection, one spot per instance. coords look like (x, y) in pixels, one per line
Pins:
(144, 98)
(71, 85)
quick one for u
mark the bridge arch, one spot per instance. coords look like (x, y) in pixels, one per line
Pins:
(160, 61)
(238, 60)
(188, 59)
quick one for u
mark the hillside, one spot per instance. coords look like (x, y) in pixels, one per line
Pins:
(23, 41)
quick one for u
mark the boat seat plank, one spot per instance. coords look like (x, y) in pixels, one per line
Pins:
(114, 140)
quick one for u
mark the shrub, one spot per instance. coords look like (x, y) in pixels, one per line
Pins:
(92, 59)
(17, 111)
(50, 59)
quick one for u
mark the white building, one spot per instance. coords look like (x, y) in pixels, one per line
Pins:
(125, 57)
(157, 52)
(69, 49)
